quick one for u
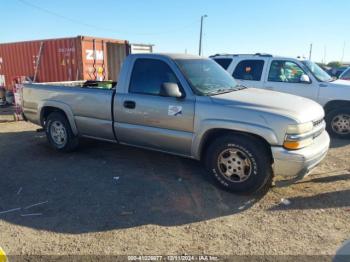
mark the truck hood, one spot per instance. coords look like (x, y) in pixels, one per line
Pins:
(340, 83)
(336, 90)
(300, 109)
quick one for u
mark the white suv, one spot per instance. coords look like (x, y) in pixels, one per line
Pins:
(295, 76)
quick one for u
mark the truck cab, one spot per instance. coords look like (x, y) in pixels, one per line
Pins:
(295, 76)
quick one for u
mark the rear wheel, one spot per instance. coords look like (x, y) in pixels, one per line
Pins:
(338, 123)
(59, 133)
(239, 163)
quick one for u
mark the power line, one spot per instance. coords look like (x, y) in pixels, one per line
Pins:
(76, 21)
(56, 14)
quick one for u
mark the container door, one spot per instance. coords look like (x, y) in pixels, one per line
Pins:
(116, 54)
(94, 59)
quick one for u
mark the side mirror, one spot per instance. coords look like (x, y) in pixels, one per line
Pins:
(305, 79)
(170, 90)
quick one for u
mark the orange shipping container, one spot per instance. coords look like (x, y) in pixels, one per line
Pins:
(64, 59)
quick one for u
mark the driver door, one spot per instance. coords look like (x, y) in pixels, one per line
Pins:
(145, 118)
(286, 76)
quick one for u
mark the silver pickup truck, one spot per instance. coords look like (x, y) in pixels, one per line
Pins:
(187, 106)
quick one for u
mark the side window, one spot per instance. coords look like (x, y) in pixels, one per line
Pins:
(249, 70)
(224, 62)
(285, 71)
(148, 75)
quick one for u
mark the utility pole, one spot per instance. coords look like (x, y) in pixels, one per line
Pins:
(325, 54)
(201, 35)
(310, 54)
(343, 53)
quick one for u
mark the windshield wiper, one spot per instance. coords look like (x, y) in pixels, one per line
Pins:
(221, 91)
(240, 87)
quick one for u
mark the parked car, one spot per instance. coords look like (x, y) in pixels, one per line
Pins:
(336, 72)
(345, 75)
(295, 76)
(188, 106)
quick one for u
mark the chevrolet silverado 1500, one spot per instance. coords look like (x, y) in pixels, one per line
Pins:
(187, 106)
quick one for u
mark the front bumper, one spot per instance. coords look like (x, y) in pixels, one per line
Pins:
(299, 163)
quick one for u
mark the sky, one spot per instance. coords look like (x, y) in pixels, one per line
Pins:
(233, 26)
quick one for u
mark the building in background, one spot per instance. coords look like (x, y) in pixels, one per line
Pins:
(141, 48)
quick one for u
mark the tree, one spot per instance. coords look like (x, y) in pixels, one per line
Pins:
(334, 64)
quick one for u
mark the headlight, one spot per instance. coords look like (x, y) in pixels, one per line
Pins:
(300, 129)
(297, 136)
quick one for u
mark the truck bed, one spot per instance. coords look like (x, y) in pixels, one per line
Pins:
(89, 104)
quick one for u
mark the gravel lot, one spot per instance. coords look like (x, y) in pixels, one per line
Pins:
(110, 199)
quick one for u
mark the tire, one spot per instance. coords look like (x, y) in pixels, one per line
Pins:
(338, 123)
(249, 159)
(59, 133)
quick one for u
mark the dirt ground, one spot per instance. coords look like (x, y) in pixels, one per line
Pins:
(110, 199)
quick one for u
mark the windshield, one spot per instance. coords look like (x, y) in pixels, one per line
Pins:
(346, 75)
(317, 71)
(207, 77)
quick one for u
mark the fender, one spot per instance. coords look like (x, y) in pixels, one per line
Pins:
(62, 106)
(210, 125)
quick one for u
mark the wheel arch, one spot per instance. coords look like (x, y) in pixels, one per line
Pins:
(53, 106)
(335, 104)
(212, 134)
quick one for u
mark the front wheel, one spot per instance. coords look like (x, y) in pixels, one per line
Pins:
(241, 164)
(59, 133)
(338, 123)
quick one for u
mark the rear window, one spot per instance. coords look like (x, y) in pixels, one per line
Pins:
(250, 70)
(224, 62)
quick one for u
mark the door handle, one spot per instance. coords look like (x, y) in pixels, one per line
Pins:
(129, 104)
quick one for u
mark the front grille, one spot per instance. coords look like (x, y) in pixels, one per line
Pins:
(317, 122)
(318, 127)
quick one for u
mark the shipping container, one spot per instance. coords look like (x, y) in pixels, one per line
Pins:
(141, 48)
(64, 59)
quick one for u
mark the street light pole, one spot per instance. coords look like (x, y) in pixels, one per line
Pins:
(310, 53)
(201, 34)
